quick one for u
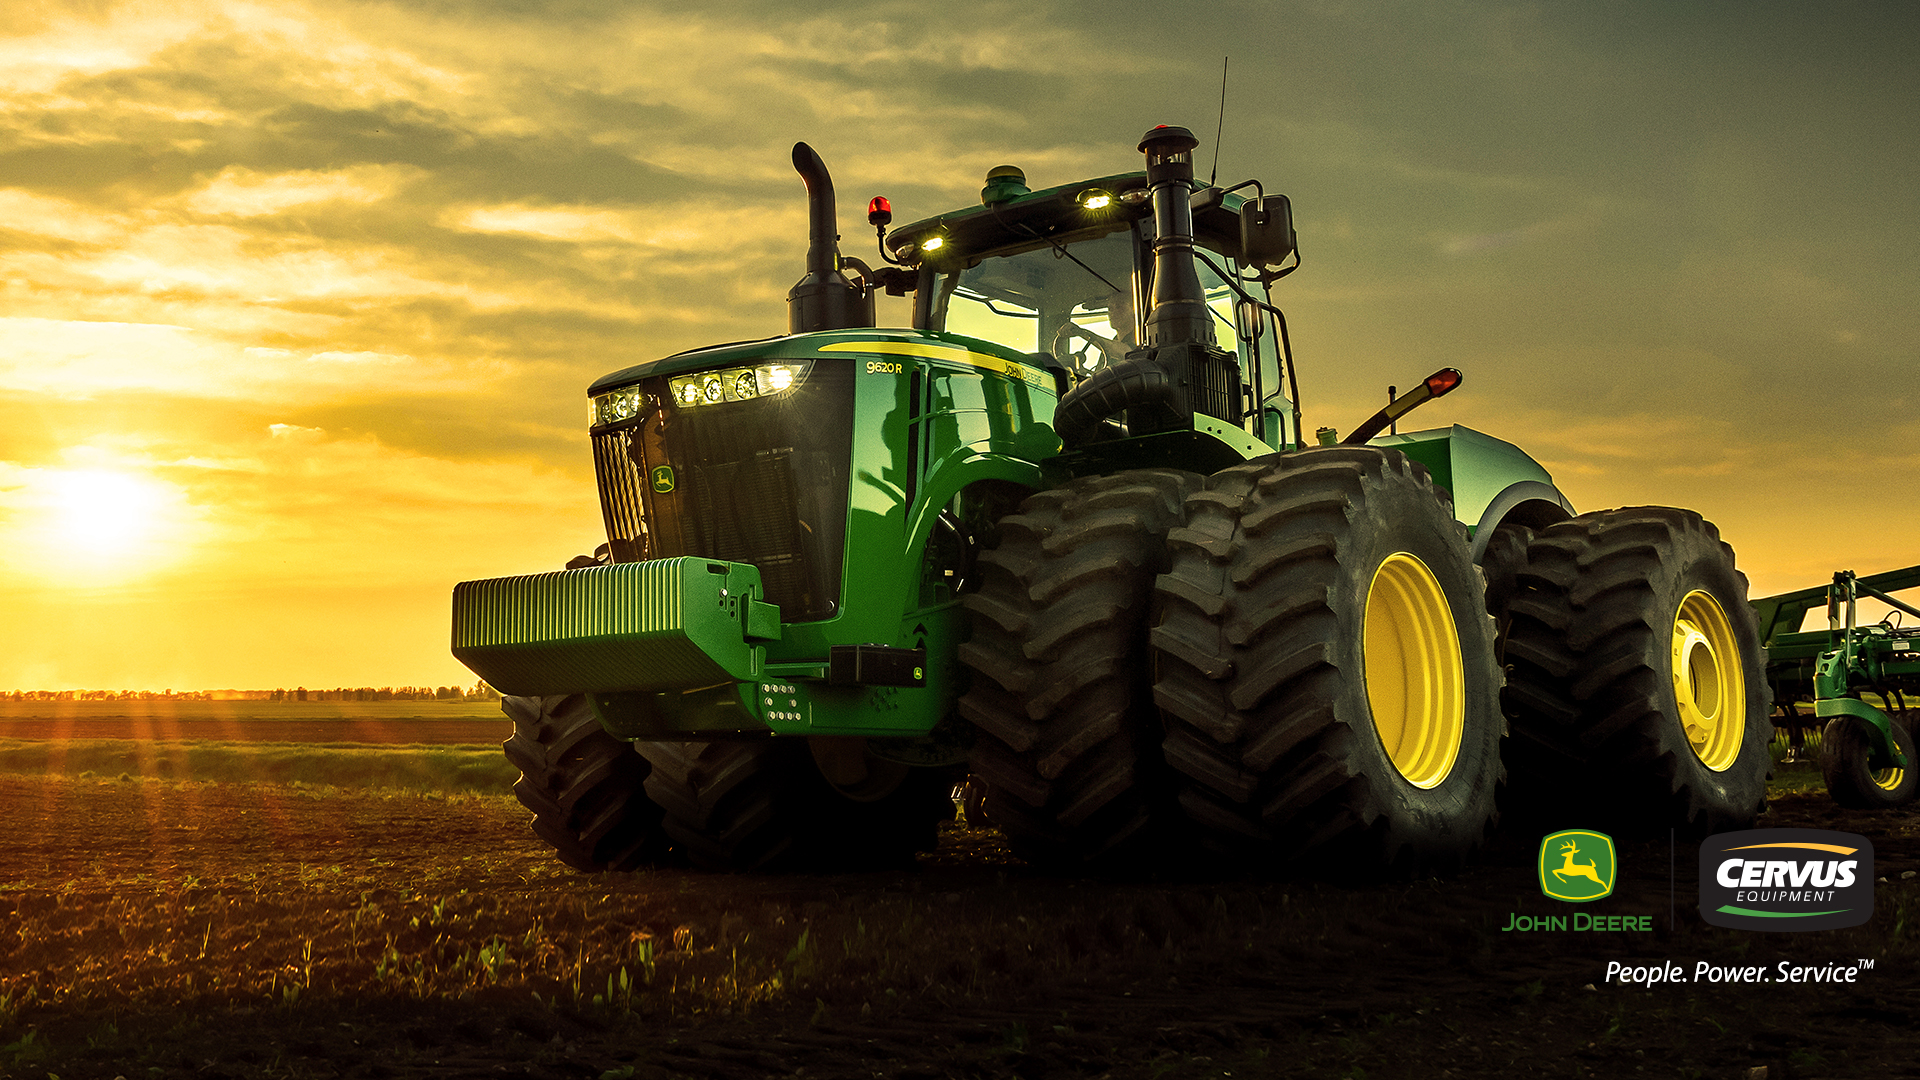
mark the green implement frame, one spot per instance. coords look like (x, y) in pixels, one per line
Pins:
(1833, 667)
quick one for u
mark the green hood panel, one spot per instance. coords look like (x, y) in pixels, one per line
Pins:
(826, 344)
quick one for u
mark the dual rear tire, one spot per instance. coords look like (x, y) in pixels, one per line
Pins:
(1067, 746)
(1637, 685)
(1325, 667)
(1286, 664)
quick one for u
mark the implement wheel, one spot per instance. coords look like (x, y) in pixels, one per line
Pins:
(1638, 687)
(1852, 781)
(1069, 741)
(585, 787)
(764, 804)
(1325, 666)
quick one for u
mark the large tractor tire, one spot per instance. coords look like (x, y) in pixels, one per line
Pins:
(1325, 664)
(1068, 745)
(1500, 566)
(763, 804)
(585, 787)
(1852, 781)
(1637, 686)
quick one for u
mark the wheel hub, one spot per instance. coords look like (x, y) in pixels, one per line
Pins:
(1708, 684)
(1416, 683)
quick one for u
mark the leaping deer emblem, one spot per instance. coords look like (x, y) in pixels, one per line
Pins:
(1569, 868)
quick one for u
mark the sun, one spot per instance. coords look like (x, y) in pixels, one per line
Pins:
(106, 513)
(92, 526)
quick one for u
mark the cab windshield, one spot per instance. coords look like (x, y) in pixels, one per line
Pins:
(1078, 305)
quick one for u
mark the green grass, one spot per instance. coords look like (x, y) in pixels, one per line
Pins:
(164, 709)
(443, 769)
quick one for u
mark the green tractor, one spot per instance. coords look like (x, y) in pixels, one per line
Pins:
(1063, 538)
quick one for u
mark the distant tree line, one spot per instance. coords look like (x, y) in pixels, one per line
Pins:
(479, 691)
(107, 695)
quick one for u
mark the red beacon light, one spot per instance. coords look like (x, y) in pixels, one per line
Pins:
(1439, 383)
(1442, 381)
(879, 212)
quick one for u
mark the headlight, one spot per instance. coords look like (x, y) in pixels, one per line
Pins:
(735, 384)
(612, 408)
(699, 388)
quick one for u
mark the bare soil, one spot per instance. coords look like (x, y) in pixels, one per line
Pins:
(151, 928)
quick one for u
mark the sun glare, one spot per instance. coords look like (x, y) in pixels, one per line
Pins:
(105, 513)
(94, 525)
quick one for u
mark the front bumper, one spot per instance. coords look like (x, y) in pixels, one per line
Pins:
(667, 624)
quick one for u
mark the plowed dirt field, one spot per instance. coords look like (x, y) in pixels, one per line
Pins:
(156, 928)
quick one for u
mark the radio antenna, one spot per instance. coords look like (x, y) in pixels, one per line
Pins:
(1219, 128)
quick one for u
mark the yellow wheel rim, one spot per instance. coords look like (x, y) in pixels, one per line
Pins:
(1889, 779)
(1416, 685)
(1708, 684)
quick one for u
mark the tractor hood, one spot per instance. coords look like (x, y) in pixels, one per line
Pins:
(827, 344)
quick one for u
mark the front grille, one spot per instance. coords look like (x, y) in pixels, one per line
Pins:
(621, 503)
(762, 481)
(748, 511)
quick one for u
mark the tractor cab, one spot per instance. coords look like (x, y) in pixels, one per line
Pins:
(1066, 274)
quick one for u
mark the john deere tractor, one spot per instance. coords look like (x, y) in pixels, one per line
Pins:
(1063, 535)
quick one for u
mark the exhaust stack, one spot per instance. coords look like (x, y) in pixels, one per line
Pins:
(824, 299)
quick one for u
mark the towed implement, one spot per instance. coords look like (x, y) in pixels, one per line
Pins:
(1061, 534)
(1866, 751)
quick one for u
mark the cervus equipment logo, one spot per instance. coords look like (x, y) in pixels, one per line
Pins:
(1786, 879)
(1577, 865)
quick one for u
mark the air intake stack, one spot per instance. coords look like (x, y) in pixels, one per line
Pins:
(1179, 313)
(1179, 371)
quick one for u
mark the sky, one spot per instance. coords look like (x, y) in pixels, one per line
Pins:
(299, 302)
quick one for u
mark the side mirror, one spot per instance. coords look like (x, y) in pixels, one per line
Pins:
(1266, 231)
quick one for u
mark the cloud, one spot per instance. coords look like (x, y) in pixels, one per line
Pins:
(55, 219)
(1536, 232)
(242, 192)
(79, 359)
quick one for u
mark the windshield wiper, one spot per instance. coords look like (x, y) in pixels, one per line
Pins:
(1057, 246)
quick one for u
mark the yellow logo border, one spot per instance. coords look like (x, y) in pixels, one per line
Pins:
(1613, 865)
